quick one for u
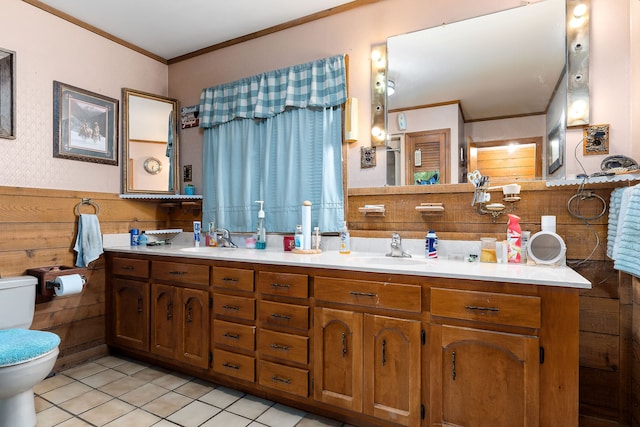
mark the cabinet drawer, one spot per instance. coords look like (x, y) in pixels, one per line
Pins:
(234, 306)
(284, 378)
(283, 346)
(283, 315)
(233, 278)
(131, 267)
(394, 296)
(504, 309)
(283, 284)
(234, 335)
(234, 365)
(177, 272)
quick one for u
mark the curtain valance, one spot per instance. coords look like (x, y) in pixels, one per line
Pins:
(320, 83)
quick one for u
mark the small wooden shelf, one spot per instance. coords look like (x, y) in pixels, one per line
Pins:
(372, 210)
(430, 208)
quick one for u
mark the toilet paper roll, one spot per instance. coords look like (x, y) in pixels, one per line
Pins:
(548, 223)
(68, 285)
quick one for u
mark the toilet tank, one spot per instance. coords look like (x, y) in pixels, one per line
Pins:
(17, 301)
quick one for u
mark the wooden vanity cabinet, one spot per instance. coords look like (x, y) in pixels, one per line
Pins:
(365, 361)
(483, 372)
(233, 323)
(180, 312)
(129, 301)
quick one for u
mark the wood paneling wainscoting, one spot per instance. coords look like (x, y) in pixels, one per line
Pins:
(606, 397)
(38, 229)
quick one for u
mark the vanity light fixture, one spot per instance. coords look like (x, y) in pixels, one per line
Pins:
(391, 87)
(378, 95)
(578, 62)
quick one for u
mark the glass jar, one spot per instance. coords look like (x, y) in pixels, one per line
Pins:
(488, 249)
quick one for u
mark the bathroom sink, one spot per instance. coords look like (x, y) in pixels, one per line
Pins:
(386, 260)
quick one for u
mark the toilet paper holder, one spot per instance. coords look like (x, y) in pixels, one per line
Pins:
(46, 277)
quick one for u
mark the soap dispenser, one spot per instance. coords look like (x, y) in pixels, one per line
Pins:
(261, 241)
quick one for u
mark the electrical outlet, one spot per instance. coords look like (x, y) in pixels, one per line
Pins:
(187, 173)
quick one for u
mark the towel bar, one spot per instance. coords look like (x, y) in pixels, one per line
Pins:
(87, 201)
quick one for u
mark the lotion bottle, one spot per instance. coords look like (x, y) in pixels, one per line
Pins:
(345, 240)
(261, 235)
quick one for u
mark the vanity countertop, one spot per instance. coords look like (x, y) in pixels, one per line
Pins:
(378, 263)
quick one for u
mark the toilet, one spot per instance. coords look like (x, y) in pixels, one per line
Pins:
(26, 356)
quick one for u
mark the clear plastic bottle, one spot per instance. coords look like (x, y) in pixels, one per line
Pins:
(345, 240)
(299, 238)
(143, 239)
(261, 234)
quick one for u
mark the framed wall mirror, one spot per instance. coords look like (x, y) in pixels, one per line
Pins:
(7, 94)
(150, 143)
(496, 79)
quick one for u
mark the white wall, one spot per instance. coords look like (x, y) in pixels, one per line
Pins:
(47, 49)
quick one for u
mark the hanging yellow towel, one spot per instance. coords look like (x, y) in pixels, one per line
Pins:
(89, 240)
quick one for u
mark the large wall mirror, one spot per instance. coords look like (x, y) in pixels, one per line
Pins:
(487, 93)
(150, 144)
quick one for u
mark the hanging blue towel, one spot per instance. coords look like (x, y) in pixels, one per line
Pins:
(627, 251)
(614, 213)
(89, 240)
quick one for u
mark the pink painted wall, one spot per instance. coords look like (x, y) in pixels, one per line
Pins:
(47, 49)
(354, 33)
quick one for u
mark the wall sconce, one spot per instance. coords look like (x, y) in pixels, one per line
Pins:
(379, 95)
(578, 12)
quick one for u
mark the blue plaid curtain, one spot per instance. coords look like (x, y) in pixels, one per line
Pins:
(290, 154)
(320, 83)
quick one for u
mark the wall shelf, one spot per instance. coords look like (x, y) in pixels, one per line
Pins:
(378, 210)
(430, 208)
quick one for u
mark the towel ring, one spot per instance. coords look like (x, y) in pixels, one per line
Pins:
(87, 201)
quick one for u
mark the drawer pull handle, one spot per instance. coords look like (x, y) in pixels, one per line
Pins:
(232, 336)
(281, 380)
(363, 294)
(281, 316)
(280, 285)
(231, 307)
(280, 347)
(230, 279)
(474, 307)
(178, 273)
(229, 365)
(127, 267)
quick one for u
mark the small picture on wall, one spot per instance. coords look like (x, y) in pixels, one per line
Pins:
(189, 116)
(596, 140)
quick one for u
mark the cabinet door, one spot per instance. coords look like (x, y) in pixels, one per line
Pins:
(164, 306)
(131, 314)
(338, 358)
(194, 336)
(392, 369)
(483, 378)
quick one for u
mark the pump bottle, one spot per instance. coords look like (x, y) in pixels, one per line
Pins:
(261, 238)
(345, 240)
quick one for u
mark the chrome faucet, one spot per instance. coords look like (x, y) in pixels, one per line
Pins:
(224, 238)
(396, 247)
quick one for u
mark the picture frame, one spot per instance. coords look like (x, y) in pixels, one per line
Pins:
(7, 94)
(85, 125)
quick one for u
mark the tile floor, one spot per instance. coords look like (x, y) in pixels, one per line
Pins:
(119, 392)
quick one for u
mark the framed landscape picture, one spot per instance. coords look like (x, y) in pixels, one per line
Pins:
(85, 125)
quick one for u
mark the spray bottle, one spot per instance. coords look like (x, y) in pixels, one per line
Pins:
(261, 241)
